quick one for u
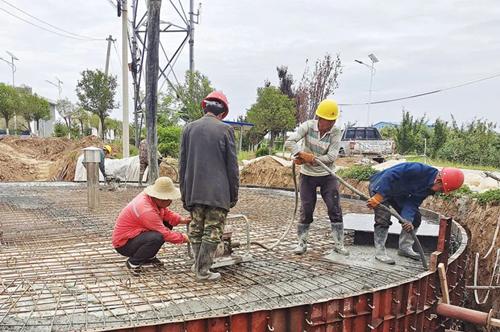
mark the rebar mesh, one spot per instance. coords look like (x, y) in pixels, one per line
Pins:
(59, 272)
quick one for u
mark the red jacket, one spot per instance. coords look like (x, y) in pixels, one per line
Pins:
(142, 215)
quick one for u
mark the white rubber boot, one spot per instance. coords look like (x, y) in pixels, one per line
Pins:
(302, 235)
(379, 237)
(406, 245)
(204, 261)
(338, 238)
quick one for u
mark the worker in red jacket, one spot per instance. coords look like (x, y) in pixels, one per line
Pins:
(146, 223)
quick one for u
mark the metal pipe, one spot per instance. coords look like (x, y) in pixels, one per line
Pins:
(467, 315)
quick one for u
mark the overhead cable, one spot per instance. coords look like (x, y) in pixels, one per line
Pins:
(424, 93)
(65, 34)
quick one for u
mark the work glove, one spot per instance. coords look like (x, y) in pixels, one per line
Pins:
(298, 161)
(407, 226)
(374, 201)
(307, 157)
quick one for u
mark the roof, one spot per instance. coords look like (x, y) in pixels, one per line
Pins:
(239, 124)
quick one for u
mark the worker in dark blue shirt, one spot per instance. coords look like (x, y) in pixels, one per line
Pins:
(404, 187)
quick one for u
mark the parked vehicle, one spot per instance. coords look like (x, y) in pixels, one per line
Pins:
(3, 133)
(365, 141)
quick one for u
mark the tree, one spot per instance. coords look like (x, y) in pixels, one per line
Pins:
(167, 114)
(411, 134)
(66, 110)
(96, 92)
(317, 86)
(83, 117)
(169, 138)
(9, 101)
(272, 113)
(34, 108)
(439, 136)
(184, 99)
(285, 81)
(115, 125)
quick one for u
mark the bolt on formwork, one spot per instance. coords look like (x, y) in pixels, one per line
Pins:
(59, 272)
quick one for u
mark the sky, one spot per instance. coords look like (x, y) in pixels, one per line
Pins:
(422, 46)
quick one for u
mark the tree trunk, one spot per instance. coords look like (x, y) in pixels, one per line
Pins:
(271, 142)
(81, 127)
(102, 128)
(151, 102)
(7, 125)
(37, 127)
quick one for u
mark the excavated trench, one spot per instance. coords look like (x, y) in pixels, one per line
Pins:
(58, 271)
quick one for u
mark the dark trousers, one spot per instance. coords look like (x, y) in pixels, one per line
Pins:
(142, 248)
(383, 217)
(329, 189)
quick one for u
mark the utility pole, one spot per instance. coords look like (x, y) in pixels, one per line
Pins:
(191, 36)
(152, 70)
(108, 51)
(125, 135)
(13, 67)
(106, 71)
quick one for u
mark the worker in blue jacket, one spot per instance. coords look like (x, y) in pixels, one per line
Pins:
(404, 187)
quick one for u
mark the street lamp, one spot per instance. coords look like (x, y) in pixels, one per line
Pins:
(58, 85)
(373, 60)
(13, 68)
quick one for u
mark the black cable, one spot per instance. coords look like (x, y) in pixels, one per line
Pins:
(424, 93)
(44, 22)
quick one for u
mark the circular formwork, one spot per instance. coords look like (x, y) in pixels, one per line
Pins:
(59, 273)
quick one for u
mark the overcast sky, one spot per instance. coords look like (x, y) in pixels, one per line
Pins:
(421, 45)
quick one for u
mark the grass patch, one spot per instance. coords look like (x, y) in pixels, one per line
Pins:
(246, 155)
(357, 172)
(445, 163)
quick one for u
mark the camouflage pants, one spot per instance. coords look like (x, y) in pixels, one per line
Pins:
(207, 224)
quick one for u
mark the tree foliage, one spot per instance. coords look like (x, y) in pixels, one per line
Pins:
(66, 110)
(411, 134)
(9, 103)
(169, 138)
(96, 92)
(317, 85)
(183, 100)
(272, 113)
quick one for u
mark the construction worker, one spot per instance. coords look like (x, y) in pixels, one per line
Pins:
(143, 159)
(321, 140)
(209, 180)
(404, 187)
(105, 152)
(146, 223)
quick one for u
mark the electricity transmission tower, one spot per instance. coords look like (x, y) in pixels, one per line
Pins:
(177, 27)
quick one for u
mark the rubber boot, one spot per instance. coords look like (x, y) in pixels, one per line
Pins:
(302, 235)
(338, 238)
(196, 251)
(204, 261)
(379, 237)
(406, 245)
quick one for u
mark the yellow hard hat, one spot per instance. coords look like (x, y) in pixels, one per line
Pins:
(107, 148)
(328, 110)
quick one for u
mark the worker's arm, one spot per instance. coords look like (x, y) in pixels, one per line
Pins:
(292, 141)
(151, 220)
(333, 150)
(170, 216)
(233, 172)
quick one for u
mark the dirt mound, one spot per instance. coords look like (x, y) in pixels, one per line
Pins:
(267, 172)
(169, 167)
(41, 159)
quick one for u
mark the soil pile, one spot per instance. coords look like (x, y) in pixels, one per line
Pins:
(169, 167)
(41, 159)
(268, 172)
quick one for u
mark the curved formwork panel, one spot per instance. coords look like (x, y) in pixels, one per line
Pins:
(59, 273)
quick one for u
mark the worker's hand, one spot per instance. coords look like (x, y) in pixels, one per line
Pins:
(186, 238)
(185, 220)
(298, 161)
(375, 201)
(408, 226)
(307, 157)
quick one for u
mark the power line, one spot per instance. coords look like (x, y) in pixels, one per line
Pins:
(45, 29)
(47, 23)
(117, 54)
(425, 93)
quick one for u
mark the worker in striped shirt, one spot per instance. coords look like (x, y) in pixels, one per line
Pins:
(320, 140)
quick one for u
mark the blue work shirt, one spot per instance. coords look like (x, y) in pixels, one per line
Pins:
(407, 184)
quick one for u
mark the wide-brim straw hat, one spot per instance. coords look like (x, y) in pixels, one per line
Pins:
(163, 188)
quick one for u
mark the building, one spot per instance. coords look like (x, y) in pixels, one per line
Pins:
(384, 124)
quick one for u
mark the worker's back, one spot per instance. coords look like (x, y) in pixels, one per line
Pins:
(208, 164)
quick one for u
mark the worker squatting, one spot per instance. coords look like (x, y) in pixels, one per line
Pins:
(209, 183)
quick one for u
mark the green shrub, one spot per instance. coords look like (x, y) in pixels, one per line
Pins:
(462, 192)
(357, 172)
(488, 197)
(262, 151)
(169, 140)
(60, 130)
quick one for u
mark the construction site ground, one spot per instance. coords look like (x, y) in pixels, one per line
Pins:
(58, 270)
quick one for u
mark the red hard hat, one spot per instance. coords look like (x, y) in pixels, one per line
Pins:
(219, 96)
(452, 179)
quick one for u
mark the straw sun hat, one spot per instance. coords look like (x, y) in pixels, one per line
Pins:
(163, 188)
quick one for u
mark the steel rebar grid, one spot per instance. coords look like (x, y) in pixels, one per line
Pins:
(59, 272)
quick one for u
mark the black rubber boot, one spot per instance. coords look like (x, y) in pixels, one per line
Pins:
(204, 261)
